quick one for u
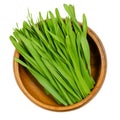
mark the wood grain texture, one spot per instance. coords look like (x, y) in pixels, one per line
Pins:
(35, 92)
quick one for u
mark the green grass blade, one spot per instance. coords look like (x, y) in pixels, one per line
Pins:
(84, 25)
(55, 37)
(60, 22)
(71, 12)
(86, 51)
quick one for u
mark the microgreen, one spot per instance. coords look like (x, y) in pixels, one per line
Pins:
(56, 52)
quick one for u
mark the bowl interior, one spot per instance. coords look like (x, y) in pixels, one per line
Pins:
(35, 92)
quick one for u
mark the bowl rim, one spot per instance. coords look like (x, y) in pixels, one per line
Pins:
(93, 93)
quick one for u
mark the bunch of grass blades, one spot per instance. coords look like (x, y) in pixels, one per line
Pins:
(56, 52)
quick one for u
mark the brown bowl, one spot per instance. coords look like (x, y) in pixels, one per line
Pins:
(34, 91)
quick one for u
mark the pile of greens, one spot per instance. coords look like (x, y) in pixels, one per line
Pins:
(56, 52)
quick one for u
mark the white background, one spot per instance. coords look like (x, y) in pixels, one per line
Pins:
(103, 17)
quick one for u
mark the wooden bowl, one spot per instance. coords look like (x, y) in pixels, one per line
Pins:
(34, 91)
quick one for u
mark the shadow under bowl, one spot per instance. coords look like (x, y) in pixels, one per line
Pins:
(35, 92)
